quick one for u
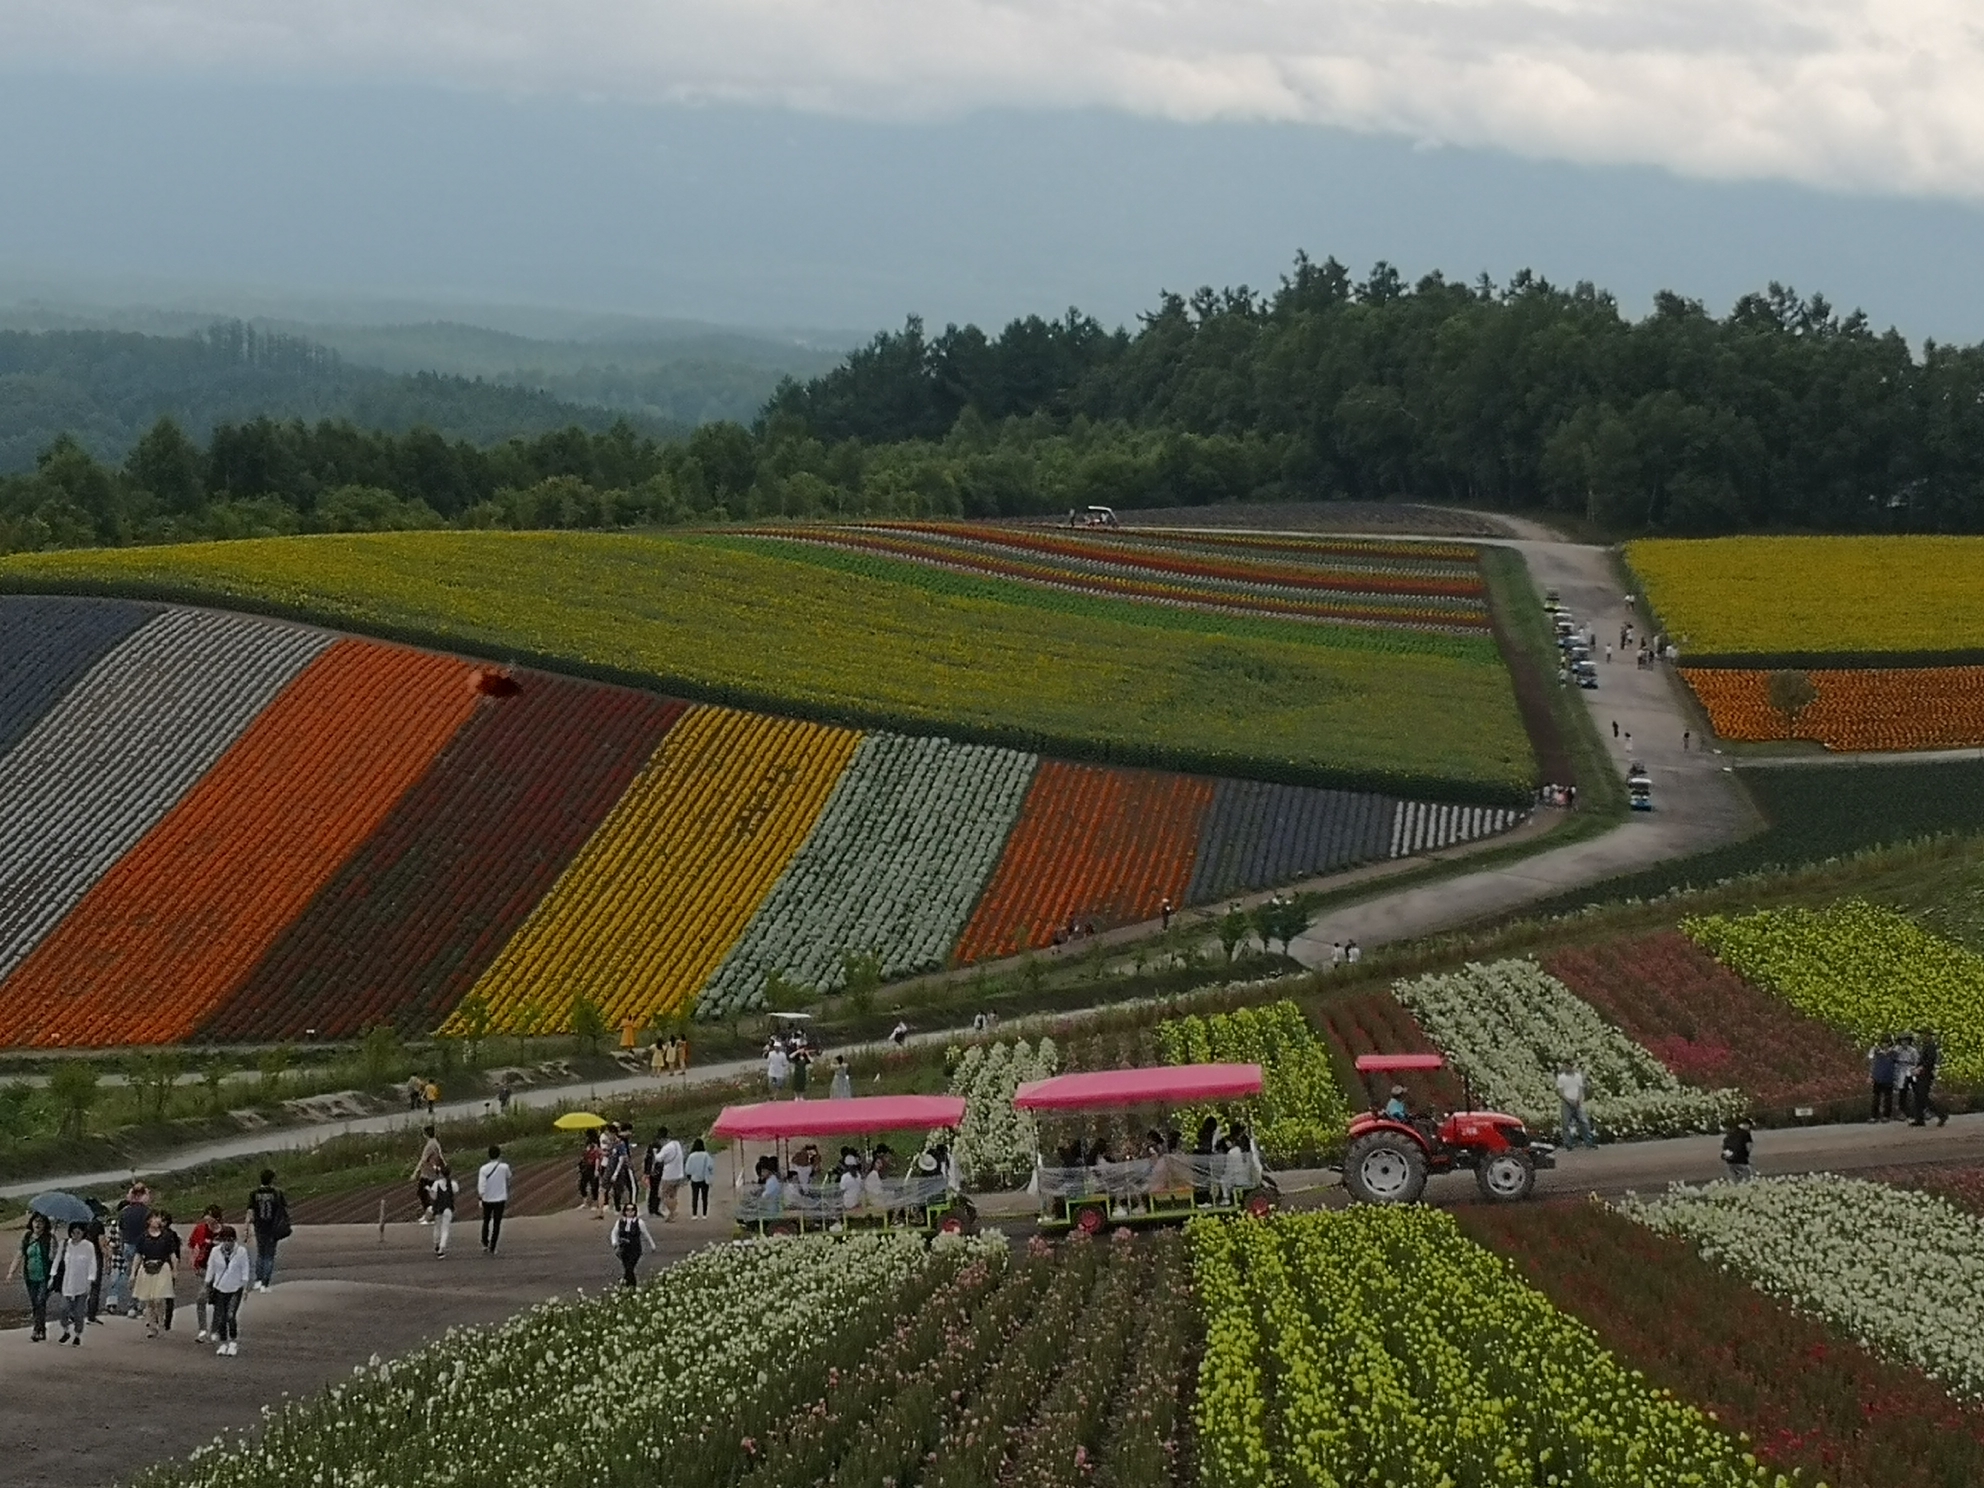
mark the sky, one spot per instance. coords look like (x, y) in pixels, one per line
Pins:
(796, 163)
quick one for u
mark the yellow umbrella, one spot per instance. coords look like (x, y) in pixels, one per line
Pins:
(578, 1121)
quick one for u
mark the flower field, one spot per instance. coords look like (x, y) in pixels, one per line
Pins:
(1300, 1111)
(1709, 1026)
(1779, 596)
(419, 911)
(1898, 1270)
(646, 911)
(1110, 845)
(996, 1143)
(1372, 1021)
(1506, 1024)
(1411, 585)
(894, 867)
(1883, 708)
(220, 827)
(1862, 968)
(755, 624)
(1843, 1414)
(1380, 1345)
(113, 755)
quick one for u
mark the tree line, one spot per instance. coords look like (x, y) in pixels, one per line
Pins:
(1782, 414)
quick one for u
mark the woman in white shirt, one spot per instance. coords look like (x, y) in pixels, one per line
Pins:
(77, 1268)
(226, 1280)
(699, 1167)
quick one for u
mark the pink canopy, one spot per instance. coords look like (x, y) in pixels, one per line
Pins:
(769, 1120)
(1167, 1085)
(1399, 1062)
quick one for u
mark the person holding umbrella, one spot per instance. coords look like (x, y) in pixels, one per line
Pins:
(36, 1263)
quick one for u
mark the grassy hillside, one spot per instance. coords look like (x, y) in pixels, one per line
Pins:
(1003, 664)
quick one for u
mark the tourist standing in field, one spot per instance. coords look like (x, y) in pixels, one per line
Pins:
(492, 1186)
(152, 1273)
(76, 1272)
(268, 1218)
(432, 1160)
(36, 1263)
(1880, 1070)
(1929, 1055)
(699, 1167)
(1571, 1093)
(441, 1193)
(843, 1082)
(630, 1239)
(673, 1168)
(227, 1279)
(199, 1246)
(777, 1067)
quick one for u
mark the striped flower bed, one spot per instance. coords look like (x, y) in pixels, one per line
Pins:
(892, 868)
(47, 646)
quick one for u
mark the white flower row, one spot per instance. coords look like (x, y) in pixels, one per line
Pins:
(892, 868)
(1507, 1025)
(107, 762)
(1901, 1271)
(548, 1395)
(996, 1142)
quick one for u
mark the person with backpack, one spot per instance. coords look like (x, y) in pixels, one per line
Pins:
(492, 1186)
(226, 1279)
(441, 1201)
(36, 1263)
(77, 1270)
(630, 1239)
(200, 1245)
(268, 1218)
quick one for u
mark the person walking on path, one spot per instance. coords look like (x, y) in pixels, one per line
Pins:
(699, 1167)
(152, 1275)
(1571, 1092)
(630, 1240)
(178, 1261)
(1907, 1058)
(1880, 1070)
(416, 1092)
(226, 1280)
(132, 1216)
(492, 1186)
(268, 1218)
(658, 1059)
(620, 1166)
(777, 1067)
(442, 1195)
(1736, 1152)
(651, 1169)
(673, 1168)
(899, 1035)
(433, 1096)
(1686, 735)
(431, 1161)
(843, 1084)
(1929, 1054)
(199, 1246)
(592, 1158)
(36, 1262)
(76, 1273)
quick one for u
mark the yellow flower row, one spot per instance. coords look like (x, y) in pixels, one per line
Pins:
(654, 900)
(1779, 595)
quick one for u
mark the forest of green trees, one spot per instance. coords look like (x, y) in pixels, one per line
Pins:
(1781, 415)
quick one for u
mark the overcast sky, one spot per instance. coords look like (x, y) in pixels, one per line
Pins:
(838, 164)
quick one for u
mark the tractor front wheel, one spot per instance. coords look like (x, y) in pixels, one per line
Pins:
(1385, 1168)
(1505, 1177)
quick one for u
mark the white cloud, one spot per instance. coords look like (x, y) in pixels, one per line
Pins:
(1884, 95)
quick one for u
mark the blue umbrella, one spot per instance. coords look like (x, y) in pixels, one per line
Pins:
(61, 1208)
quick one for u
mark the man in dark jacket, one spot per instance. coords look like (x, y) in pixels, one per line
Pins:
(1929, 1056)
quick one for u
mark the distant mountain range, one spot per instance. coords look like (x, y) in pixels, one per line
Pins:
(107, 375)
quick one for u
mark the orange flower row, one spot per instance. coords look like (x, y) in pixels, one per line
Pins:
(167, 935)
(1886, 708)
(1091, 843)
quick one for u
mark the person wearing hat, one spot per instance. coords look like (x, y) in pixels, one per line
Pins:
(1395, 1108)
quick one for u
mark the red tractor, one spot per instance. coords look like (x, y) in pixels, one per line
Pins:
(1389, 1157)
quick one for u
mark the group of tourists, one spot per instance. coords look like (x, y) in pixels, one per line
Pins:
(669, 1056)
(610, 1173)
(130, 1263)
(1222, 1164)
(789, 1061)
(1903, 1071)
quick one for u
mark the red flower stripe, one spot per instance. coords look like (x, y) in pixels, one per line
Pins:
(1372, 1021)
(170, 932)
(1091, 843)
(420, 911)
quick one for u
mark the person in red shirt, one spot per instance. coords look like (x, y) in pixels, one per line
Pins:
(201, 1244)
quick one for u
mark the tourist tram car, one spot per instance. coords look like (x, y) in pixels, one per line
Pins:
(1144, 1190)
(918, 1202)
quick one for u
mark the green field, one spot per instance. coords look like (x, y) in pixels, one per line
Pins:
(712, 619)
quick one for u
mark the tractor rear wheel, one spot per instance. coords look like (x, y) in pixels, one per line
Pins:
(1505, 1177)
(1385, 1168)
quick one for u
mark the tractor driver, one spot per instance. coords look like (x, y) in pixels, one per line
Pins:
(1395, 1108)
